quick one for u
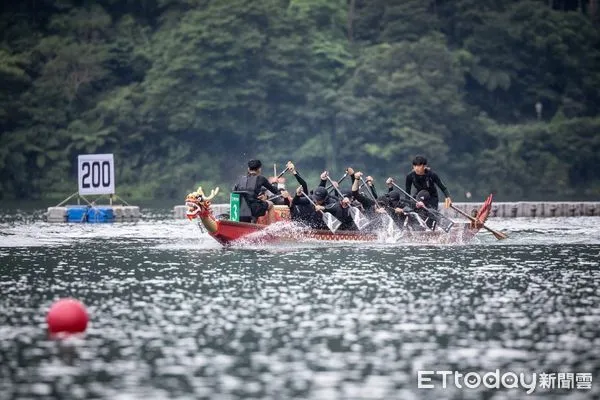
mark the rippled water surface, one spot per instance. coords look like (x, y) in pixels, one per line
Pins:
(175, 316)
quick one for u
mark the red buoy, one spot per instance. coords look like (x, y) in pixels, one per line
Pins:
(68, 316)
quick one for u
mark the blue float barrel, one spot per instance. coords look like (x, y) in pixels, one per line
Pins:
(77, 213)
(101, 214)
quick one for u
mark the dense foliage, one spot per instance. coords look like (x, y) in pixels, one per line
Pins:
(183, 92)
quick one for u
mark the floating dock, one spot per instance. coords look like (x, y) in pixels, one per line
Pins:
(519, 209)
(91, 211)
(93, 214)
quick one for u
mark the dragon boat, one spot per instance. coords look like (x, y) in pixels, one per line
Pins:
(227, 231)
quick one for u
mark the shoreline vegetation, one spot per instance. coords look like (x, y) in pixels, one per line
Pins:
(502, 98)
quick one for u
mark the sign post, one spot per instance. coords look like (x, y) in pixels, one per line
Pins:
(96, 174)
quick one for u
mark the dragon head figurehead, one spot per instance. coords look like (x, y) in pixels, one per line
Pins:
(198, 203)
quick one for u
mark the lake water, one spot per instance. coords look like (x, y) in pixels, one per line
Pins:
(173, 315)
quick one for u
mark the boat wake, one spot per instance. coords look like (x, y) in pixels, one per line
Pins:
(285, 231)
(297, 235)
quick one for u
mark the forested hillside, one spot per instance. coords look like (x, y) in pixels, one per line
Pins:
(184, 92)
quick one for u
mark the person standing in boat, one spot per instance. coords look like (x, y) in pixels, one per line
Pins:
(251, 184)
(424, 178)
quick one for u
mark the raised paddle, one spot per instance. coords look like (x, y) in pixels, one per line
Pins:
(359, 218)
(332, 222)
(282, 172)
(278, 176)
(340, 181)
(275, 197)
(448, 223)
(498, 235)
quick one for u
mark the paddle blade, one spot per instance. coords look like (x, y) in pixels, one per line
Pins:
(388, 224)
(416, 217)
(499, 235)
(359, 218)
(332, 222)
(445, 224)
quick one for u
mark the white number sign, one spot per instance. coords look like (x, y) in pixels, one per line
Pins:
(96, 174)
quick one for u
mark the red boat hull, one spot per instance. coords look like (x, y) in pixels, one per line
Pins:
(228, 232)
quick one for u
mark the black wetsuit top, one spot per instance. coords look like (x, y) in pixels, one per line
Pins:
(367, 203)
(302, 182)
(300, 208)
(344, 216)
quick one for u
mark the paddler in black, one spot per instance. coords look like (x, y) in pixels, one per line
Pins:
(326, 203)
(335, 184)
(342, 212)
(369, 181)
(292, 168)
(423, 178)
(252, 183)
(300, 209)
(303, 210)
(399, 207)
(367, 204)
(372, 208)
(421, 209)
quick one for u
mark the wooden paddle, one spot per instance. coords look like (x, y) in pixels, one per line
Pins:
(282, 172)
(278, 176)
(332, 222)
(340, 181)
(498, 235)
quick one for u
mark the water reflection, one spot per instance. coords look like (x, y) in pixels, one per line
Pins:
(174, 317)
